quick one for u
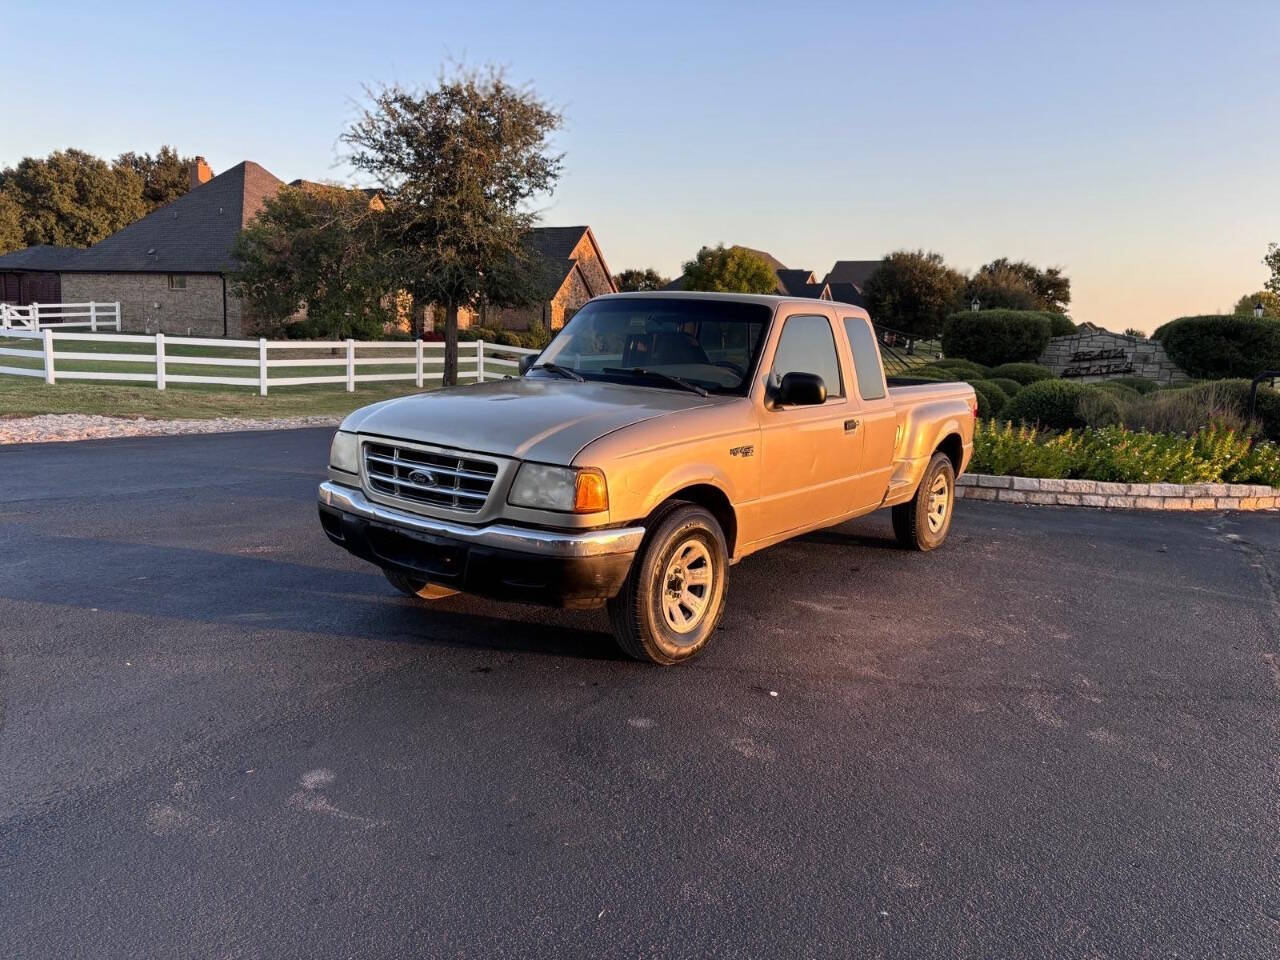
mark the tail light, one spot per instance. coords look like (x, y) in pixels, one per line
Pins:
(973, 406)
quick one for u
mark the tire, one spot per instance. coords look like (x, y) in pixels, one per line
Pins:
(685, 552)
(923, 522)
(419, 589)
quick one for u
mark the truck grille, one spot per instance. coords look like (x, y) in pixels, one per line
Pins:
(440, 479)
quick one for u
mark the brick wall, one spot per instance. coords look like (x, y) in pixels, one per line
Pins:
(1094, 357)
(148, 305)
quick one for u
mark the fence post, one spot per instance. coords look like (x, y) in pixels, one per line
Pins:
(34, 314)
(262, 366)
(117, 313)
(159, 361)
(47, 338)
(417, 363)
(93, 316)
(351, 366)
(479, 361)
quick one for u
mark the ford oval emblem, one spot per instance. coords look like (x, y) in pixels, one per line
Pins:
(423, 478)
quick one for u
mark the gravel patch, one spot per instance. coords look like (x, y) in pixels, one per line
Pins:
(61, 427)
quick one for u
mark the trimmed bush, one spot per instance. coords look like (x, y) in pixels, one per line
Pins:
(951, 363)
(996, 336)
(952, 370)
(1121, 390)
(1024, 373)
(1060, 325)
(1010, 387)
(1058, 405)
(1217, 347)
(991, 399)
(1141, 384)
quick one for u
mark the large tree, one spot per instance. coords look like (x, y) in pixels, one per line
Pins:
(722, 269)
(1270, 304)
(165, 177)
(72, 198)
(633, 280)
(458, 165)
(11, 236)
(1272, 262)
(1050, 286)
(1001, 288)
(314, 248)
(913, 292)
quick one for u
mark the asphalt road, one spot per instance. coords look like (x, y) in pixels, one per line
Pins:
(220, 736)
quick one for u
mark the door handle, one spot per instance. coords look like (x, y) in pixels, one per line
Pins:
(850, 426)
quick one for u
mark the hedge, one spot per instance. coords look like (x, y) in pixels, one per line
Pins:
(1217, 347)
(1024, 373)
(991, 399)
(951, 370)
(1007, 384)
(994, 337)
(1060, 325)
(1056, 405)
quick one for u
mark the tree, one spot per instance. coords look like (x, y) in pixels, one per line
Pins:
(1050, 287)
(1001, 288)
(165, 177)
(72, 198)
(1134, 332)
(723, 269)
(647, 279)
(1270, 304)
(10, 223)
(457, 165)
(913, 292)
(1272, 262)
(315, 248)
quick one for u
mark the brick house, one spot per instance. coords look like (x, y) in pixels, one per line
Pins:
(573, 270)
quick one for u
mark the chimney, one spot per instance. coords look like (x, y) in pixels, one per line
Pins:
(200, 172)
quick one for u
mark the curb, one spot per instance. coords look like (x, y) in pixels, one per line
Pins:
(1123, 496)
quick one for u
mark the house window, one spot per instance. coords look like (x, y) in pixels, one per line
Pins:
(177, 281)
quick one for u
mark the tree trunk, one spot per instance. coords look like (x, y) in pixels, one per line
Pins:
(451, 345)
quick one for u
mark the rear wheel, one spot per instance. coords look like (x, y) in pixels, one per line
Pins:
(673, 598)
(416, 587)
(923, 522)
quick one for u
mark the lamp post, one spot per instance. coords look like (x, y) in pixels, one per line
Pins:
(975, 305)
(1257, 309)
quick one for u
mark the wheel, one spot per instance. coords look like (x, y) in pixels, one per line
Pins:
(922, 523)
(673, 598)
(415, 587)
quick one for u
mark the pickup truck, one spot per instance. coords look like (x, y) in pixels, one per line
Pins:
(657, 440)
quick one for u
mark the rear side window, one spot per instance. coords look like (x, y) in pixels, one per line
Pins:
(866, 358)
(807, 346)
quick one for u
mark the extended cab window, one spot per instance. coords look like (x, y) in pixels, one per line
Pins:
(807, 346)
(866, 358)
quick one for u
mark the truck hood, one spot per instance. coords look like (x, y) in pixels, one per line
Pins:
(529, 418)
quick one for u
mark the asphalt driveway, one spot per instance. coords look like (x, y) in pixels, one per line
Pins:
(222, 737)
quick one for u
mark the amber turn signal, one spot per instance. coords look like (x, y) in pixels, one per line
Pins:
(590, 493)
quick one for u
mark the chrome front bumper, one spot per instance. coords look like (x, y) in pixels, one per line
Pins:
(499, 536)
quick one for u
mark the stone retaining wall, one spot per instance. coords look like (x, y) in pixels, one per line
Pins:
(1126, 496)
(1092, 357)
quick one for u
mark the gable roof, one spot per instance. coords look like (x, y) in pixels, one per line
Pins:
(554, 247)
(847, 293)
(40, 257)
(192, 234)
(856, 272)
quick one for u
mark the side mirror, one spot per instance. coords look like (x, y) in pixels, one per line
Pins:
(802, 390)
(527, 360)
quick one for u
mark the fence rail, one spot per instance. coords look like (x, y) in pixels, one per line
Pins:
(56, 355)
(92, 316)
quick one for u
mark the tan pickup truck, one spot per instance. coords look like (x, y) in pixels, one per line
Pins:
(659, 439)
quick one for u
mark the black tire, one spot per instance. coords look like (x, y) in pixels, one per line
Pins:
(648, 614)
(418, 588)
(917, 523)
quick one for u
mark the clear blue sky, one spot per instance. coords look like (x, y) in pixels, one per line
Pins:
(1135, 144)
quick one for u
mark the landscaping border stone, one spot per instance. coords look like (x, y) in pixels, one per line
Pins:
(1119, 496)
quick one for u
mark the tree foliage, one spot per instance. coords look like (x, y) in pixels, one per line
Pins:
(165, 177)
(1050, 287)
(458, 164)
(1001, 288)
(632, 280)
(315, 248)
(722, 269)
(71, 198)
(1272, 262)
(1270, 304)
(914, 292)
(11, 236)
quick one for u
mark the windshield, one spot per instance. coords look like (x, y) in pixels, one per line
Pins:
(709, 344)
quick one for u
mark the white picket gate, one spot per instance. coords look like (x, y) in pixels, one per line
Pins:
(414, 360)
(93, 316)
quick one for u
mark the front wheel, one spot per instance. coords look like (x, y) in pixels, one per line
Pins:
(923, 522)
(673, 597)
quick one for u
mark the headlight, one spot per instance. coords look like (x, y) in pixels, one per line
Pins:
(565, 489)
(343, 453)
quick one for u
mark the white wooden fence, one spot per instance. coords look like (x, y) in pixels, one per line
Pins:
(418, 361)
(92, 316)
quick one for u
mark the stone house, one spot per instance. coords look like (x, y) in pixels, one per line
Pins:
(573, 270)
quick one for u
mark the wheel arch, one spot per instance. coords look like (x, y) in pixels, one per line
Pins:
(715, 501)
(953, 446)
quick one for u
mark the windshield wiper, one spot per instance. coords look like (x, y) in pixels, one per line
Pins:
(560, 371)
(680, 382)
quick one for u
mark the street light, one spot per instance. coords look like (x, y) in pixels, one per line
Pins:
(975, 305)
(1257, 309)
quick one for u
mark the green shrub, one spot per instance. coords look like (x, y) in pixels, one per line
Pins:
(953, 363)
(1062, 405)
(1121, 390)
(951, 370)
(1216, 347)
(1009, 386)
(996, 336)
(991, 399)
(1024, 373)
(1140, 384)
(1060, 325)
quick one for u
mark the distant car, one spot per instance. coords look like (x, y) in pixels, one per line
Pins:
(658, 439)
